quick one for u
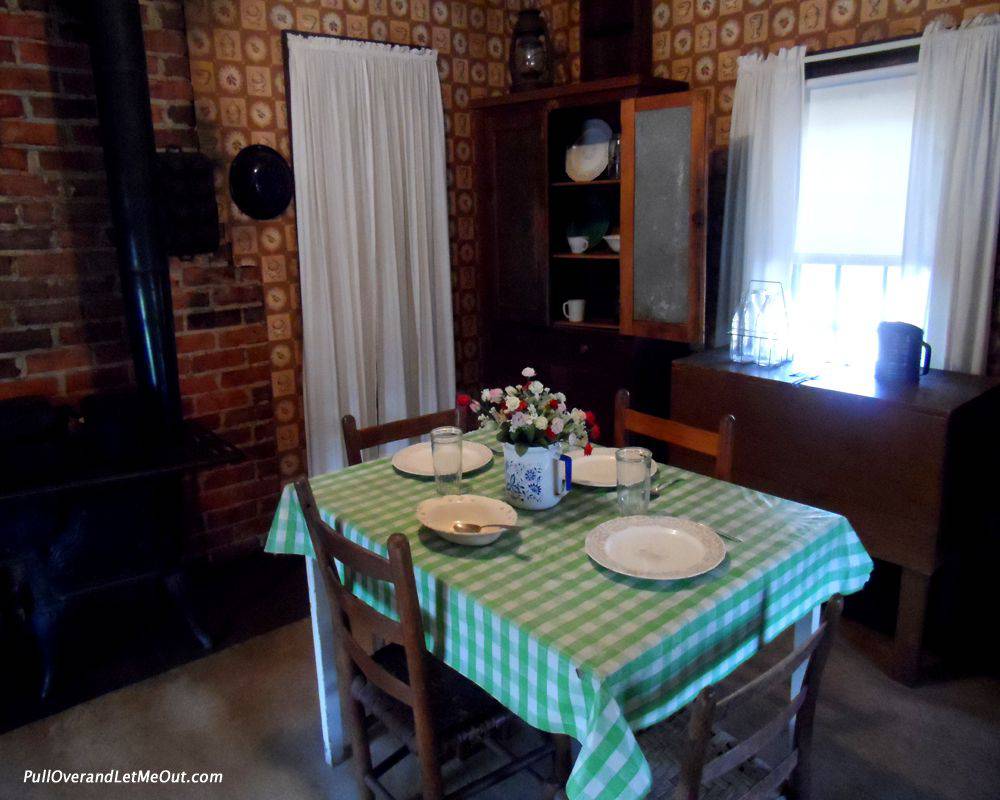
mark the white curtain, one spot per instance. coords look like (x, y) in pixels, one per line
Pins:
(950, 235)
(762, 183)
(371, 208)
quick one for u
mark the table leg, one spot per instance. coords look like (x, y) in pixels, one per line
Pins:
(334, 746)
(906, 646)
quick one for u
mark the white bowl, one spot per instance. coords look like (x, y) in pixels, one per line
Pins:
(441, 513)
(614, 241)
(577, 244)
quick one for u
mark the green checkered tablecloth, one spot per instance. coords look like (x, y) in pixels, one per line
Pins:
(570, 647)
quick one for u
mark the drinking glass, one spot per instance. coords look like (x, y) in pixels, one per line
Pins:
(634, 465)
(446, 453)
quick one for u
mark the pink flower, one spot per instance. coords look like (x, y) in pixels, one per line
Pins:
(496, 395)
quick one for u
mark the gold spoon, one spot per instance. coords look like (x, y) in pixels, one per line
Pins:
(472, 527)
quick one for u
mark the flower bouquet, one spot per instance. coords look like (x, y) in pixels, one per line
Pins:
(535, 426)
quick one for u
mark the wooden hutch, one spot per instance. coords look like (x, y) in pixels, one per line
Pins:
(644, 305)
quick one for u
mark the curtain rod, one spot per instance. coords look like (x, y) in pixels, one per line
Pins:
(864, 49)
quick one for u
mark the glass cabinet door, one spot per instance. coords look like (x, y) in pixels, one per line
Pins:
(663, 195)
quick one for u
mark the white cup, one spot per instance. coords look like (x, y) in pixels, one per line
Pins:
(573, 310)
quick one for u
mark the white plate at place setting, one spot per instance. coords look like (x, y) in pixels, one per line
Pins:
(441, 513)
(656, 548)
(599, 470)
(416, 459)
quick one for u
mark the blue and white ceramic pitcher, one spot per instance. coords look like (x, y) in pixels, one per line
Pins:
(539, 478)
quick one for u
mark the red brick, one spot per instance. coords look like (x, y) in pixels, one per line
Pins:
(199, 384)
(164, 41)
(23, 387)
(71, 160)
(11, 158)
(195, 342)
(170, 89)
(246, 377)
(36, 213)
(25, 239)
(175, 67)
(90, 332)
(47, 313)
(227, 476)
(259, 353)
(221, 400)
(7, 53)
(79, 83)
(86, 135)
(63, 108)
(61, 56)
(11, 106)
(237, 296)
(86, 381)
(9, 368)
(244, 416)
(220, 359)
(26, 80)
(25, 186)
(248, 334)
(58, 360)
(232, 515)
(235, 495)
(19, 132)
(19, 341)
(22, 26)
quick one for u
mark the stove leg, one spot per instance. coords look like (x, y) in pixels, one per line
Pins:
(45, 625)
(177, 588)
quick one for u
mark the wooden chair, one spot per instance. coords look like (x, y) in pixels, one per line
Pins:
(718, 445)
(699, 761)
(357, 439)
(434, 711)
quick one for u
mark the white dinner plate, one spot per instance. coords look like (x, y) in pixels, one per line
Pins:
(584, 162)
(441, 513)
(416, 459)
(599, 469)
(658, 548)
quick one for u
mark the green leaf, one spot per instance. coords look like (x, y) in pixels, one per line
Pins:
(520, 448)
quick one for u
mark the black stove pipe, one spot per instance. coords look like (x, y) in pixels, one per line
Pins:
(118, 56)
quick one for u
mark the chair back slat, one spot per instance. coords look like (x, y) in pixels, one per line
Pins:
(717, 445)
(801, 708)
(388, 683)
(357, 439)
(778, 673)
(755, 743)
(767, 787)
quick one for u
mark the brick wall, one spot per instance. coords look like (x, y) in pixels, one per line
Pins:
(61, 329)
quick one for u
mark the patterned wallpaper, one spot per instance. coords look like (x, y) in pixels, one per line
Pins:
(237, 72)
(699, 40)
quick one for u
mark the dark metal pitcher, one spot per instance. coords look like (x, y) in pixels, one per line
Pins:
(899, 349)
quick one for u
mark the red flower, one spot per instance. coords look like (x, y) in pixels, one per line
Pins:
(550, 435)
(591, 419)
(463, 400)
(553, 403)
(523, 406)
(588, 449)
(595, 432)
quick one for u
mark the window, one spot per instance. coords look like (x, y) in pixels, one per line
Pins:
(852, 204)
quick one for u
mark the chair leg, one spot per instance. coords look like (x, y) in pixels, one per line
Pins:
(561, 765)
(354, 722)
(430, 775)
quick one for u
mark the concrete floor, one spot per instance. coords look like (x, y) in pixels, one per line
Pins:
(250, 712)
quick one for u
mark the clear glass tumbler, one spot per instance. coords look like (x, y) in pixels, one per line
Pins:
(634, 465)
(446, 453)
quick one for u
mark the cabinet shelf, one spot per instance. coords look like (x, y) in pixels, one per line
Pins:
(598, 182)
(595, 325)
(587, 256)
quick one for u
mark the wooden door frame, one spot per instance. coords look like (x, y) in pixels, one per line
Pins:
(693, 330)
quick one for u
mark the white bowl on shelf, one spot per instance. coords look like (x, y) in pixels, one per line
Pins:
(614, 241)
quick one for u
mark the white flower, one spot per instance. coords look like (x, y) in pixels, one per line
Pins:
(541, 423)
(510, 390)
(578, 415)
(519, 420)
(573, 441)
(557, 426)
(528, 372)
(496, 395)
(512, 403)
(559, 396)
(561, 408)
(485, 395)
(535, 387)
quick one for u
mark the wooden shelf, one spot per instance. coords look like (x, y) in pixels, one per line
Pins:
(588, 256)
(590, 325)
(598, 182)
